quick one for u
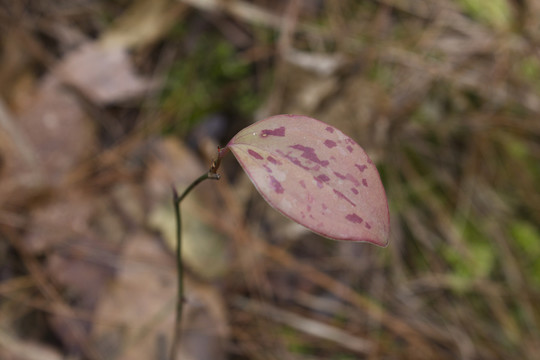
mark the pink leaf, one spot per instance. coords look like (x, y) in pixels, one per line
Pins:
(314, 174)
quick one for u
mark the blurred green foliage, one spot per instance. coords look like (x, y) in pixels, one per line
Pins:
(529, 68)
(527, 237)
(481, 255)
(296, 344)
(205, 82)
(495, 13)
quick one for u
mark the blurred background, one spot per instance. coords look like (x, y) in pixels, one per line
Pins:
(104, 104)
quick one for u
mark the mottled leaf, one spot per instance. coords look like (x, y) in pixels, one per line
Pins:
(315, 175)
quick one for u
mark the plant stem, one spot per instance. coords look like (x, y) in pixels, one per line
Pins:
(180, 294)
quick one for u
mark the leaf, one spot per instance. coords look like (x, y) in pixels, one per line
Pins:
(109, 75)
(317, 176)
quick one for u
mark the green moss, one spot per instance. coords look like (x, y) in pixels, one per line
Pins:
(381, 74)
(520, 156)
(481, 261)
(495, 13)
(484, 257)
(528, 70)
(527, 238)
(295, 343)
(212, 78)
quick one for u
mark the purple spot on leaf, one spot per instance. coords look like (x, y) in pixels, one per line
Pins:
(297, 162)
(319, 182)
(330, 129)
(329, 143)
(354, 191)
(309, 153)
(364, 182)
(276, 185)
(354, 218)
(273, 161)
(349, 148)
(361, 167)
(292, 159)
(347, 177)
(302, 184)
(323, 177)
(267, 168)
(280, 131)
(324, 207)
(368, 226)
(255, 154)
(340, 195)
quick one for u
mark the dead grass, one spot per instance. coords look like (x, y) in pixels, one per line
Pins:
(98, 104)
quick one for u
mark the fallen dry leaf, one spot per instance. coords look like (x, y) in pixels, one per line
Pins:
(58, 136)
(104, 74)
(140, 303)
(13, 348)
(53, 223)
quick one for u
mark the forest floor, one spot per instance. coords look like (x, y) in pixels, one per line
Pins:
(105, 104)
